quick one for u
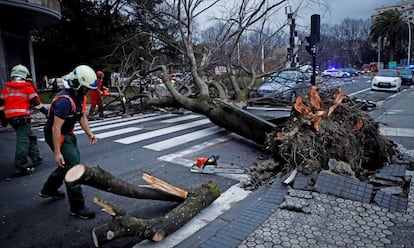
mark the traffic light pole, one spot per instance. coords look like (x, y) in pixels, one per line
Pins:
(313, 77)
(312, 40)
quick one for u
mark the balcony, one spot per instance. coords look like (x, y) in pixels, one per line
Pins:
(29, 13)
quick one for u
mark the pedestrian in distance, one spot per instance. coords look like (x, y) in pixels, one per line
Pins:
(95, 96)
(67, 108)
(16, 99)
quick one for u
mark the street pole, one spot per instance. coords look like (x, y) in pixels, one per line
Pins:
(409, 42)
(379, 52)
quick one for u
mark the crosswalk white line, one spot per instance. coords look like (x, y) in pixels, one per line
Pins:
(182, 118)
(121, 124)
(397, 132)
(117, 120)
(117, 132)
(105, 125)
(167, 130)
(168, 143)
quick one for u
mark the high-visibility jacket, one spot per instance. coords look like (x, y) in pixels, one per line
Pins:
(17, 97)
(96, 93)
(78, 108)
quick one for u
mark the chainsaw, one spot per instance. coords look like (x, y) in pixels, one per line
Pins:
(209, 166)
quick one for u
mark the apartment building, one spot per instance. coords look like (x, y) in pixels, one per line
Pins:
(18, 18)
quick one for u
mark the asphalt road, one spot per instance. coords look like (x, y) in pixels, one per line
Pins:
(163, 145)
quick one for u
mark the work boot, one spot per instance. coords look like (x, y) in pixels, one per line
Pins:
(23, 171)
(58, 195)
(83, 213)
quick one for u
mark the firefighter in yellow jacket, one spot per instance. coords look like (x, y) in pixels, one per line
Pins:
(16, 99)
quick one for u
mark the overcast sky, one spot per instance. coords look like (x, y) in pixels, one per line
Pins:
(337, 12)
(354, 9)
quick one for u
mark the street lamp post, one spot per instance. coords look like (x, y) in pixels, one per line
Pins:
(379, 52)
(409, 42)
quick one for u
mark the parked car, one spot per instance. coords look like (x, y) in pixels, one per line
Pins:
(352, 71)
(406, 75)
(285, 85)
(335, 73)
(387, 80)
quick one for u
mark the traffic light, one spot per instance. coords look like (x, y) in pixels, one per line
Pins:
(312, 40)
(311, 45)
(314, 36)
(315, 28)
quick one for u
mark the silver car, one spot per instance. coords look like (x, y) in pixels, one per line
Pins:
(285, 85)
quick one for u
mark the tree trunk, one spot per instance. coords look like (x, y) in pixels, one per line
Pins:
(100, 179)
(157, 229)
(223, 114)
(240, 121)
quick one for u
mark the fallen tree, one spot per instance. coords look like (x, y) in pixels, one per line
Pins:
(125, 225)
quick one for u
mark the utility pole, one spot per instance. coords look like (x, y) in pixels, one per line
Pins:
(292, 49)
(312, 40)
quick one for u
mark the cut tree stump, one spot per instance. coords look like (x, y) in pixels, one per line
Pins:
(125, 225)
(98, 178)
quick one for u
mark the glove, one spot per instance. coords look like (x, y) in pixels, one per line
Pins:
(43, 110)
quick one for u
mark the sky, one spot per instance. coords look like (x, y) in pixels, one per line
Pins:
(353, 9)
(337, 11)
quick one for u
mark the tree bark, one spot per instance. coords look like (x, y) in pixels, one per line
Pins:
(100, 179)
(157, 229)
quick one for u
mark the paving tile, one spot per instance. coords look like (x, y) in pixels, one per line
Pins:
(390, 201)
(348, 188)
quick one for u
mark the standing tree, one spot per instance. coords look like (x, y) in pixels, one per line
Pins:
(392, 27)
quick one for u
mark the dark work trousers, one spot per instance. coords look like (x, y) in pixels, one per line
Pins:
(71, 155)
(26, 146)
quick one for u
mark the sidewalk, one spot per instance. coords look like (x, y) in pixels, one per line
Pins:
(335, 212)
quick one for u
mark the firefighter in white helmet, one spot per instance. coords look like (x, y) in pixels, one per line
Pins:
(16, 98)
(67, 108)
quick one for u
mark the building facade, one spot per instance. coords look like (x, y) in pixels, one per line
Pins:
(18, 18)
(405, 7)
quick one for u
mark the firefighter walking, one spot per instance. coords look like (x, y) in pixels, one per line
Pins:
(95, 96)
(16, 99)
(67, 108)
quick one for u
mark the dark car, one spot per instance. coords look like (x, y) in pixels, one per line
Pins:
(285, 85)
(354, 72)
(406, 75)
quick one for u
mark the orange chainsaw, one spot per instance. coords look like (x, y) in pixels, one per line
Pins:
(209, 166)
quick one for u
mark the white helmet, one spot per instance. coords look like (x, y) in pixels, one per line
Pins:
(82, 75)
(20, 71)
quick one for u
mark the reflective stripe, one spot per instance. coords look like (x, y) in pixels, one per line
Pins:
(33, 95)
(15, 94)
(9, 111)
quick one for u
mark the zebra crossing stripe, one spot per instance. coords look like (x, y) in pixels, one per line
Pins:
(156, 133)
(182, 118)
(118, 120)
(397, 132)
(122, 122)
(117, 132)
(125, 123)
(168, 143)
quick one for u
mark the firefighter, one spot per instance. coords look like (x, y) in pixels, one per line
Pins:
(95, 96)
(16, 98)
(67, 108)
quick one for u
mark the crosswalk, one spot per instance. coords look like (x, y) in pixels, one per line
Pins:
(130, 130)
